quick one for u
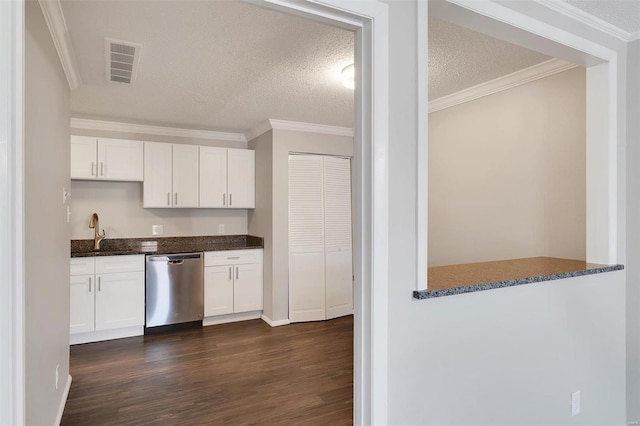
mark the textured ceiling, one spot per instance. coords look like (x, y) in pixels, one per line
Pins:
(223, 65)
(229, 65)
(460, 58)
(624, 14)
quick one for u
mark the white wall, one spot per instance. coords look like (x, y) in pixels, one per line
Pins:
(261, 218)
(507, 174)
(46, 232)
(284, 142)
(509, 356)
(119, 204)
(633, 238)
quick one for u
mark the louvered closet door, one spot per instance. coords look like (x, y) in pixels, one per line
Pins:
(337, 231)
(306, 239)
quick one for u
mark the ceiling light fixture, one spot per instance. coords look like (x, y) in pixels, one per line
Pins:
(349, 77)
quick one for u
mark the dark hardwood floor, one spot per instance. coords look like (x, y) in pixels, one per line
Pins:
(230, 374)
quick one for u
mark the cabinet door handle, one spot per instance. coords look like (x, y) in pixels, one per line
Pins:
(89, 284)
(237, 272)
(230, 199)
(230, 273)
(168, 198)
(99, 285)
(101, 168)
(93, 165)
(175, 199)
(224, 199)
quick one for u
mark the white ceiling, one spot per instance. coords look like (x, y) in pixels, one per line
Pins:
(230, 65)
(220, 65)
(460, 58)
(624, 14)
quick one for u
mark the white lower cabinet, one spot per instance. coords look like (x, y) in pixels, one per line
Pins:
(232, 282)
(106, 298)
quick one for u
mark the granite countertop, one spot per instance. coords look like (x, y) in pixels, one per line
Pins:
(167, 245)
(466, 278)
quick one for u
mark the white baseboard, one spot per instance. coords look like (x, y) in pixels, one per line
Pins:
(99, 336)
(224, 319)
(273, 323)
(63, 401)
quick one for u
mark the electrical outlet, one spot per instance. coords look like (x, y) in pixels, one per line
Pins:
(157, 229)
(575, 403)
(57, 375)
(221, 228)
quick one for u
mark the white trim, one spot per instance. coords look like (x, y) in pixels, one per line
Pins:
(12, 319)
(102, 335)
(297, 126)
(258, 130)
(509, 81)
(592, 21)
(224, 319)
(422, 157)
(52, 11)
(63, 401)
(273, 323)
(114, 126)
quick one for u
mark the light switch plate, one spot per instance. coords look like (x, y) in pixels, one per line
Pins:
(221, 228)
(575, 403)
(157, 229)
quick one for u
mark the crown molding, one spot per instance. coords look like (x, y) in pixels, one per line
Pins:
(297, 126)
(113, 126)
(53, 16)
(585, 18)
(518, 78)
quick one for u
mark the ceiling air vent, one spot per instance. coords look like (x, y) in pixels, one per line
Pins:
(122, 58)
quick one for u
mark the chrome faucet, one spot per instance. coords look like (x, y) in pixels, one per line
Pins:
(97, 236)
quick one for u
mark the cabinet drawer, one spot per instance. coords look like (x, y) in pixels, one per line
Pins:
(232, 257)
(83, 266)
(128, 263)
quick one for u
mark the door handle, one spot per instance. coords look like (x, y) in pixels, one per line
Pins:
(224, 199)
(93, 165)
(230, 199)
(101, 168)
(230, 273)
(237, 272)
(175, 199)
(99, 284)
(168, 198)
(89, 284)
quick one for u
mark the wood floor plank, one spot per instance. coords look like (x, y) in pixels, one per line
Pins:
(244, 373)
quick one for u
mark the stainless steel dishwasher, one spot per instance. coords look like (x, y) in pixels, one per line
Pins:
(174, 289)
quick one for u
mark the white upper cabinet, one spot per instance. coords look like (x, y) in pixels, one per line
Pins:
(106, 159)
(241, 178)
(213, 177)
(170, 175)
(185, 176)
(84, 156)
(227, 178)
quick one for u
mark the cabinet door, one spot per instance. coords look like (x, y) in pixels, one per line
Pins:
(81, 304)
(306, 239)
(83, 157)
(337, 231)
(247, 288)
(218, 290)
(158, 165)
(120, 159)
(185, 176)
(213, 177)
(241, 182)
(119, 300)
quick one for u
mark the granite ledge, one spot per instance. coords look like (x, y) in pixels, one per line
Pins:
(511, 278)
(165, 245)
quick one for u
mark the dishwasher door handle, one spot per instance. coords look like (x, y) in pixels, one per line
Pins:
(176, 262)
